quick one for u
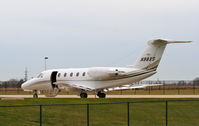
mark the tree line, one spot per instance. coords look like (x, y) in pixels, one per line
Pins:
(12, 83)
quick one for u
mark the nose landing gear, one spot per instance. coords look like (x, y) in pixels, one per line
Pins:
(35, 94)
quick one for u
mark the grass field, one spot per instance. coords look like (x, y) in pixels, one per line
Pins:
(141, 114)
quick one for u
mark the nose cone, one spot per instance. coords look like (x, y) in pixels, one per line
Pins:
(24, 86)
(30, 85)
(27, 85)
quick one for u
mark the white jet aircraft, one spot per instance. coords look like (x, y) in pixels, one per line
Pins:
(99, 79)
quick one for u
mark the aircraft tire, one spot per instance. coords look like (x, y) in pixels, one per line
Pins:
(35, 95)
(101, 95)
(83, 95)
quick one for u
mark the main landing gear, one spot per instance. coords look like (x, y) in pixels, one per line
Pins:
(83, 95)
(35, 94)
(101, 95)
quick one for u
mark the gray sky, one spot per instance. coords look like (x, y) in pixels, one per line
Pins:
(84, 33)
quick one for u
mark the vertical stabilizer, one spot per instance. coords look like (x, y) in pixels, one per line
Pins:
(152, 55)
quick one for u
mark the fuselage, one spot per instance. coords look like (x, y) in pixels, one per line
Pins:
(93, 78)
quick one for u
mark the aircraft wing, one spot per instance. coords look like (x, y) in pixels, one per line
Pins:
(134, 86)
(70, 85)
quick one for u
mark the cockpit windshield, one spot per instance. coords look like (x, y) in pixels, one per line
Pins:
(40, 75)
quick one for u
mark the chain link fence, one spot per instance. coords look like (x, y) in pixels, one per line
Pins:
(136, 113)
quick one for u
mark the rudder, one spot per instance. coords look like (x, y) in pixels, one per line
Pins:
(152, 55)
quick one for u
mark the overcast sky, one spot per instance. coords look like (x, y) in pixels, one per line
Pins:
(85, 33)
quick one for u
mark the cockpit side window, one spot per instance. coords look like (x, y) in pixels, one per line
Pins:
(40, 75)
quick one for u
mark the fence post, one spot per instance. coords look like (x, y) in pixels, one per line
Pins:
(40, 115)
(166, 113)
(164, 88)
(87, 114)
(194, 89)
(128, 113)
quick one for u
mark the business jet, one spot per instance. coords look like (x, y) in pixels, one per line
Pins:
(99, 79)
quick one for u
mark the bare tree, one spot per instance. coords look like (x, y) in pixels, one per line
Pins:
(12, 83)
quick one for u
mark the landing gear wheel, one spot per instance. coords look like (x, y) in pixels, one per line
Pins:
(101, 95)
(35, 95)
(83, 95)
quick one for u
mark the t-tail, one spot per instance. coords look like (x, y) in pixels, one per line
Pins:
(150, 58)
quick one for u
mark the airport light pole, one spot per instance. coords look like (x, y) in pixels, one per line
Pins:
(45, 59)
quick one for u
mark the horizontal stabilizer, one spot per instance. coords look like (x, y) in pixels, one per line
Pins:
(170, 42)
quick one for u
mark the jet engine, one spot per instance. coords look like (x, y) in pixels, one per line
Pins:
(103, 73)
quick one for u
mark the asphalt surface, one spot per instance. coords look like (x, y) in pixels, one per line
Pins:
(108, 96)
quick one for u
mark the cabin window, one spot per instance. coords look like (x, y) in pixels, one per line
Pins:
(59, 74)
(77, 74)
(84, 74)
(40, 75)
(71, 74)
(65, 74)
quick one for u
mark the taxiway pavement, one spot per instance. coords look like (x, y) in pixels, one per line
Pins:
(108, 96)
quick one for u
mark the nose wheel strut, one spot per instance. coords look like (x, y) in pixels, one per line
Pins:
(35, 94)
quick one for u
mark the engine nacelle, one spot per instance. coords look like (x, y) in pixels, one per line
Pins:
(102, 73)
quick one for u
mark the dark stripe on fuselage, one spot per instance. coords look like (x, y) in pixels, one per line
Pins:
(139, 74)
